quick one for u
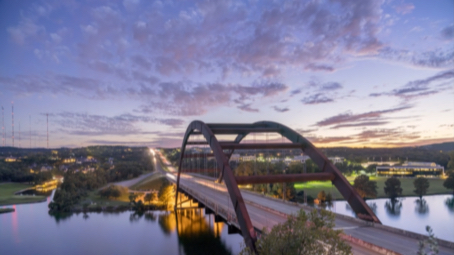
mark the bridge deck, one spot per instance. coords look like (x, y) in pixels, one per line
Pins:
(266, 212)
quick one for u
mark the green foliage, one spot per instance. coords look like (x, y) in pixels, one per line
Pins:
(365, 187)
(421, 186)
(449, 182)
(302, 234)
(430, 244)
(371, 168)
(392, 188)
(329, 197)
(451, 161)
(113, 191)
(278, 190)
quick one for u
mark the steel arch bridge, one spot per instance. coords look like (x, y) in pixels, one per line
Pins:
(222, 151)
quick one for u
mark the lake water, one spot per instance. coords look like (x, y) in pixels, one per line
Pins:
(411, 214)
(31, 230)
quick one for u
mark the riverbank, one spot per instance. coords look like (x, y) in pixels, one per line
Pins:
(8, 197)
(314, 187)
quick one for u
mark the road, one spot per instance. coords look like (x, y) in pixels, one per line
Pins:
(267, 212)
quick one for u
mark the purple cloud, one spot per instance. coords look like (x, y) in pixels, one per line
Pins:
(277, 109)
(423, 87)
(355, 118)
(317, 99)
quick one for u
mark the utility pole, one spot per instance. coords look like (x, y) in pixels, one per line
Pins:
(3, 127)
(12, 123)
(30, 117)
(19, 133)
(47, 114)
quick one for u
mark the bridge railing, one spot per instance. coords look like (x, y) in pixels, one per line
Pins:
(217, 208)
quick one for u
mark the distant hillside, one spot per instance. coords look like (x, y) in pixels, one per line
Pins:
(449, 146)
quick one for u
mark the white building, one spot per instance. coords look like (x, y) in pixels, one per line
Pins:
(336, 159)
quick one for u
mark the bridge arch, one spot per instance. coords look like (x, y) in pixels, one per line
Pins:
(329, 171)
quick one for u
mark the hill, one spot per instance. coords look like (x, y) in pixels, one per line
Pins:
(449, 146)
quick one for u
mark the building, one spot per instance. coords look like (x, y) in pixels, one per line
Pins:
(10, 159)
(69, 160)
(412, 169)
(301, 159)
(336, 159)
(248, 158)
(235, 157)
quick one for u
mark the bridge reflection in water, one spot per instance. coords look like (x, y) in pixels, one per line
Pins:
(197, 233)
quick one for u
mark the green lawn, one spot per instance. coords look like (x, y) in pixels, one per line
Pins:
(7, 196)
(314, 187)
(153, 182)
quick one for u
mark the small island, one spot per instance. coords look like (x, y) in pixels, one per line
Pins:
(7, 210)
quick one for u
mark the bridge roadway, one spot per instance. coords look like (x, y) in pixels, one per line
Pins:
(266, 212)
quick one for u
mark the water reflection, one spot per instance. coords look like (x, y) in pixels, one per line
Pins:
(199, 235)
(373, 207)
(449, 202)
(60, 217)
(422, 207)
(393, 207)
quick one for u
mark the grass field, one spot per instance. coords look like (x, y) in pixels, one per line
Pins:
(153, 182)
(314, 187)
(7, 196)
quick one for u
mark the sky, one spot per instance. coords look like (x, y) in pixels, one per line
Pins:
(374, 73)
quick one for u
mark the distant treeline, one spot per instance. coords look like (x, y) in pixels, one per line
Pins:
(128, 162)
(361, 155)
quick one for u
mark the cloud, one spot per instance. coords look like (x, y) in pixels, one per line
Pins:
(317, 67)
(96, 125)
(247, 108)
(361, 124)
(187, 99)
(277, 109)
(349, 118)
(404, 8)
(447, 33)
(318, 98)
(438, 58)
(26, 30)
(423, 87)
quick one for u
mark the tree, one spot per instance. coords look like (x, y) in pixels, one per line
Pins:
(431, 242)
(421, 185)
(449, 183)
(321, 196)
(298, 236)
(451, 160)
(166, 193)
(329, 197)
(365, 187)
(133, 197)
(371, 168)
(150, 197)
(392, 188)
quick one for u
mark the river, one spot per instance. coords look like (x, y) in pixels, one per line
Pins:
(31, 230)
(409, 213)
